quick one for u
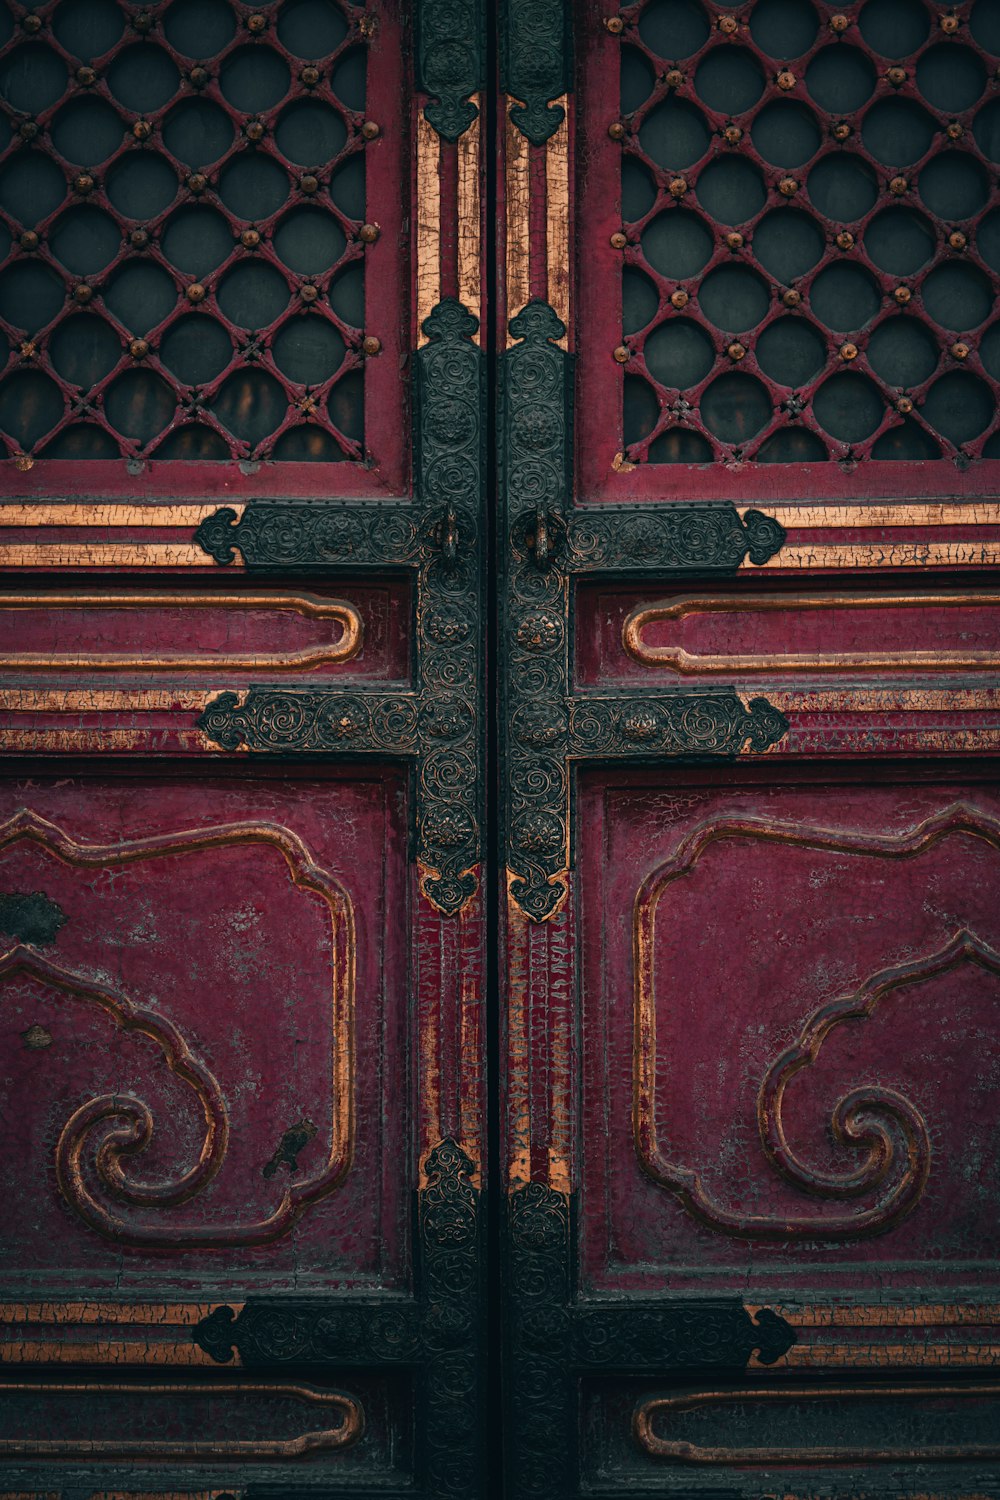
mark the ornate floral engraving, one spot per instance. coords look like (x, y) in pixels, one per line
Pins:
(548, 728)
(440, 724)
(708, 537)
(451, 50)
(536, 47)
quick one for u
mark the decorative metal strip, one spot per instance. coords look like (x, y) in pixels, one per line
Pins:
(440, 723)
(451, 61)
(547, 727)
(536, 46)
(440, 1332)
(551, 1340)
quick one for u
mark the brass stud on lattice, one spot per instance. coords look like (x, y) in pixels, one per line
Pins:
(371, 346)
(618, 240)
(788, 187)
(736, 351)
(256, 23)
(841, 131)
(198, 77)
(732, 135)
(904, 406)
(308, 292)
(845, 240)
(86, 76)
(250, 239)
(898, 186)
(82, 293)
(679, 298)
(308, 404)
(197, 182)
(960, 350)
(23, 462)
(786, 79)
(29, 240)
(902, 295)
(142, 130)
(957, 240)
(621, 354)
(848, 351)
(310, 77)
(138, 348)
(255, 130)
(196, 292)
(954, 131)
(677, 187)
(674, 78)
(734, 240)
(143, 22)
(27, 349)
(839, 23)
(949, 24)
(370, 130)
(728, 25)
(896, 76)
(32, 23)
(616, 130)
(83, 184)
(309, 183)
(614, 24)
(139, 239)
(27, 130)
(791, 298)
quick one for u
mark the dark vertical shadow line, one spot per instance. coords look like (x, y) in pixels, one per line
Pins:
(493, 865)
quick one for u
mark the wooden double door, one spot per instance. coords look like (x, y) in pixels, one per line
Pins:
(500, 710)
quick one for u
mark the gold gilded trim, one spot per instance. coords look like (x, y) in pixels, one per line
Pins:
(108, 514)
(875, 516)
(308, 606)
(691, 1453)
(977, 554)
(518, 190)
(677, 659)
(347, 1431)
(107, 555)
(469, 228)
(428, 222)
(557, 218)
(87, 1123)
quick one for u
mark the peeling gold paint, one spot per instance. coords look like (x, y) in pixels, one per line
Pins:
(557, 212)
(470, 287)
(517, 1108)
(518, 190)
(979, 554)
(107, 555)
(875, 516)
(428, 222)
(109, 514)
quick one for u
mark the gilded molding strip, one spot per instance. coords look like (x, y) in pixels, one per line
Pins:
(898, 1175)
(307, 606)
(557, 214)
(104, 514)
(428, 224)
(691, 1453)
(891, 554)
(677, 659)
(347, 1431)
(470, 218)
(88, 1121)
(104, 555)
(517, 190)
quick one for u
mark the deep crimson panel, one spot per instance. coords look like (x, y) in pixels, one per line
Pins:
(226, 955)
(789, 1032)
